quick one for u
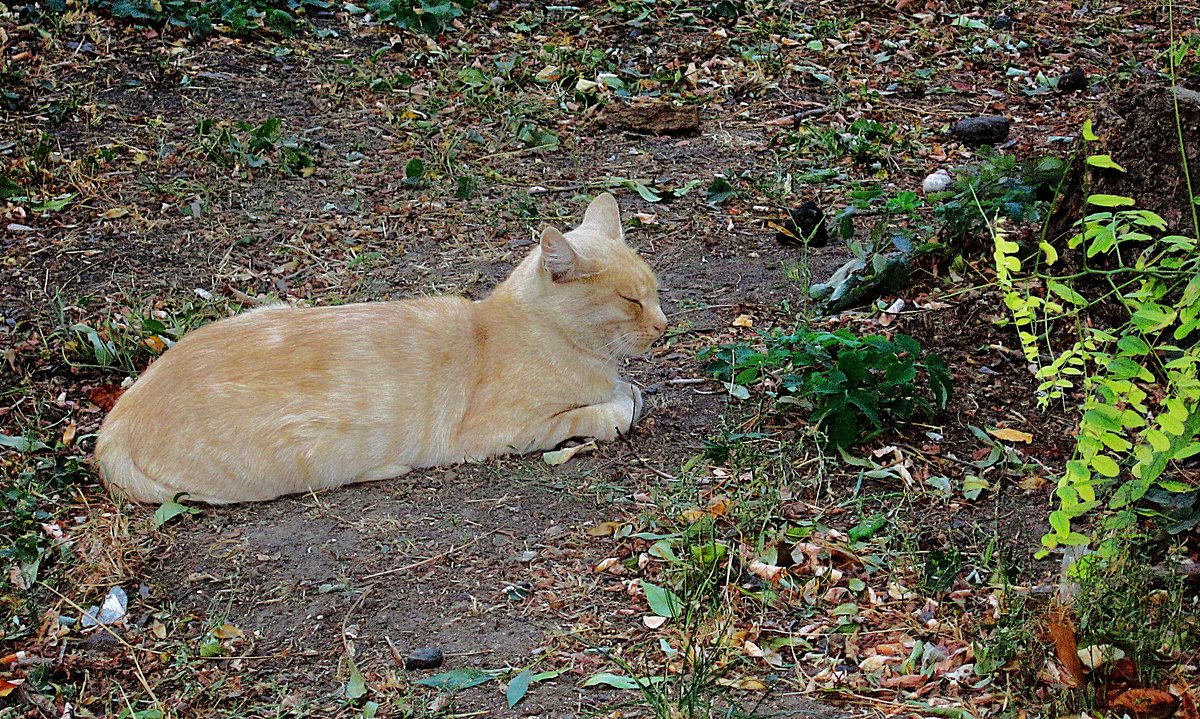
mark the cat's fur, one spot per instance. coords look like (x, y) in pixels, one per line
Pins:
(282, 400)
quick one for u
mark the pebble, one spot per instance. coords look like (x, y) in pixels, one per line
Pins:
(985, 130)
(939, 181)
(424, 658)
(1072, 80)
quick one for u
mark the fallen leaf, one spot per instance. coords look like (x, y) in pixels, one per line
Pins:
(155, 344)
(1098, 654)
(68, 434)
(1146, 704)
(743, 321)
(105, 396)
(1011, 435)
(562, 456)
(604, 529)
(115, 213)
(228, 631)
(653, 621)
(769, 572)
(611, 565)
(8, 685)
(745, 683)
(1062, 633)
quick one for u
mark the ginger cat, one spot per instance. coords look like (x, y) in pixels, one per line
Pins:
(281, 400)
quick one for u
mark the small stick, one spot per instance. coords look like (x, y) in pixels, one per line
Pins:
(434, 558)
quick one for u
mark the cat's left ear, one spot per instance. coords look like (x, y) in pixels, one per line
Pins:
(604, 216)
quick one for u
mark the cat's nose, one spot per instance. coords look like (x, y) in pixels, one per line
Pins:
(660, 321)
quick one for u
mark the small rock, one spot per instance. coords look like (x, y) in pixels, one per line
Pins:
(987, 130)
(1002, 22)
(111, 612)
(939, 181)
(18, 227)
(806, 227)
(424, 658)
(1072, 80)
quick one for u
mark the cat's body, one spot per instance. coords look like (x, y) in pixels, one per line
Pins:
(282, 400)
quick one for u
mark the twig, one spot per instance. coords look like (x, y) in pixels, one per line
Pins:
(434, 558)
(137, 665)
(346, 620)
(553, 190)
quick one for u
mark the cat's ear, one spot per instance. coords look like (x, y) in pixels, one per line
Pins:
(604, 216)
(561, 260)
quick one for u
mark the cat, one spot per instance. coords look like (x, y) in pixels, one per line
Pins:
(280, 400)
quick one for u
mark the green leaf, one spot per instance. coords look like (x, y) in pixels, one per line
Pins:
(1087, 132)
(414, 170)
(867, 528)
(170, 510)
(1066, 293)
(1105, 465)
(1133, 346)
(517, 687)
(458, 679)
(663, 602)
(1101, 200)
(22, 444)
(720, 190)
(356, 688)
(1104, 161)
(618, 681)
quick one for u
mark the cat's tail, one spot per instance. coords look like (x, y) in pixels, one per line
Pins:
(121, 475)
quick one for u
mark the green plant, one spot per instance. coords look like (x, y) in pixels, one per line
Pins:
(427, 16)
(1137, 377)
(853, 387)
(997, 187)
(244, 144)
(236, 17)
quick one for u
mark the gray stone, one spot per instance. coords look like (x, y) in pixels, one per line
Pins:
(424, 658)
(987, 130)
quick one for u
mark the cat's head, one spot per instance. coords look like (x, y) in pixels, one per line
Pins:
(597, 287)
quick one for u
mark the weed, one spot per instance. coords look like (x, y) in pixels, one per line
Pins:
(427, 16)
(997, 187)
(250, 146)
(854, 387)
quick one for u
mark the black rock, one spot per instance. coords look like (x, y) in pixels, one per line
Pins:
(1072, 80)
(424, 658)
(806, 226)
(1002, 22)
(976, 131)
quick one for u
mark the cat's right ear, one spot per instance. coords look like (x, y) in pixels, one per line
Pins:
(561, 260)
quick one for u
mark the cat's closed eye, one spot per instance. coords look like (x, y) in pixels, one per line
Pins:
(630, 299)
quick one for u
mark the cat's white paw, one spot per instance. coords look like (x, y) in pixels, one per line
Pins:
(629, 400)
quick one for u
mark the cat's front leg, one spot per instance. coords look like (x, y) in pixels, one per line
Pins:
(604, 421)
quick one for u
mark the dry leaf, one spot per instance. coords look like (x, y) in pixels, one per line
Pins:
(653, 621)
(8, 685)
(1097, 654)
(611, 565)
(1062, 632)
(745, 683)
(1011, 435)
(743, 321)
(105, 396)
(1146, 704)
(155, 344)
(769, 572)
(115, 213)
(562, 456)
(604, 529)
(68, 434)
(228, 631)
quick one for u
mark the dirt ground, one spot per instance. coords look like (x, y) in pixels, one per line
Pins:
(492, 563)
